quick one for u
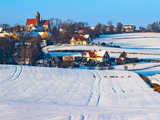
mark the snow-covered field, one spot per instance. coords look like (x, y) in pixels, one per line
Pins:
(146, 45)
(38, 93)
(136, 66)
(142, 45)
(133, 40)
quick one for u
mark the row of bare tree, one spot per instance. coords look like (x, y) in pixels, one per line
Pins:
(153, 27)
(62, 31)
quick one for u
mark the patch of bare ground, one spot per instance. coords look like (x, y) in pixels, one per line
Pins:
(155, 86)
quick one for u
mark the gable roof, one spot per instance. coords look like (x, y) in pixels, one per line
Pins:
(31, 21)
(78, 37)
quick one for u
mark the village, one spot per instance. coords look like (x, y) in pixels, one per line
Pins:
(79, 60)
(75, 46)
(24, 44)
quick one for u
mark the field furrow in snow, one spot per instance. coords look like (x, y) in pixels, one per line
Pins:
(63, 94)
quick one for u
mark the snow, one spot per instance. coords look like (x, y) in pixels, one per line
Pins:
(1, 29)
(38, 93)
(33, 34)
(41, 93)
(64, 54)
(136, 66)
(132, 40)
(2, 35)
(155, 79)
(149, 72)
(113, 52)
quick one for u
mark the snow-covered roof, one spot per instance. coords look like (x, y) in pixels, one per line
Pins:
(60, 54)
(1, 29)
(32, 34)
(2, 35)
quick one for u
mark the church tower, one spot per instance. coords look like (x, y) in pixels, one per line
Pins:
(37, 19)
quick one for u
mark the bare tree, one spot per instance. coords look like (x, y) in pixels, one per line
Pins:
(5, 26)
(154, 27)
(119, 27)
(111, 27)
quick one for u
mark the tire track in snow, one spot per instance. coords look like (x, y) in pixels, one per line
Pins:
(70, 117)
(120, 86)
(111, 90)
(99, 87)
(90, 99)
(94, 98)
(14, 77)
(18, 73)
(11, 76)
(77, 117)
(82, 117)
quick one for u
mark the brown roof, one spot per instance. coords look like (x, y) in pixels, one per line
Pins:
(78, 36)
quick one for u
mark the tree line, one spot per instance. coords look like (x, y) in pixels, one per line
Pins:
(61, 32)
(153, 27)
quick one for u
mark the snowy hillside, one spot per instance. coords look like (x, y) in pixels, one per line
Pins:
(41, 93)
(38, 93)
(141, 45)
(133, 40)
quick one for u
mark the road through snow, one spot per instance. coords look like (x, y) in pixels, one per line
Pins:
(38, 93)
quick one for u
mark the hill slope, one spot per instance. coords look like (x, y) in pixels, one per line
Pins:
(38, 93)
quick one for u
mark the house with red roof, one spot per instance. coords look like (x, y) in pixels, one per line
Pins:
(37, 22)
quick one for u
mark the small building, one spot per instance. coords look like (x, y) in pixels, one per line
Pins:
(4, 34)
(19, 28)
(45, 34)
(129, 28)
(63, 59)
(37, 22)
(15, 35)
(79, 39)
(85, 30)
(1, 29)
(97, 56)
(110, 29)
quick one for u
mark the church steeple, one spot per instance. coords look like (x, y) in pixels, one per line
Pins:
(37, 18)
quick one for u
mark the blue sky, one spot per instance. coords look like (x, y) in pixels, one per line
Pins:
(138, 12)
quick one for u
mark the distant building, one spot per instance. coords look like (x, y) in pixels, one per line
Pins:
(129, 28)
(4, 34)
(1, 29)
(107, 29)
(19, 28)
(79, 39)
(110, 29)
(85, 30)
(37, 22)
(92, 28)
